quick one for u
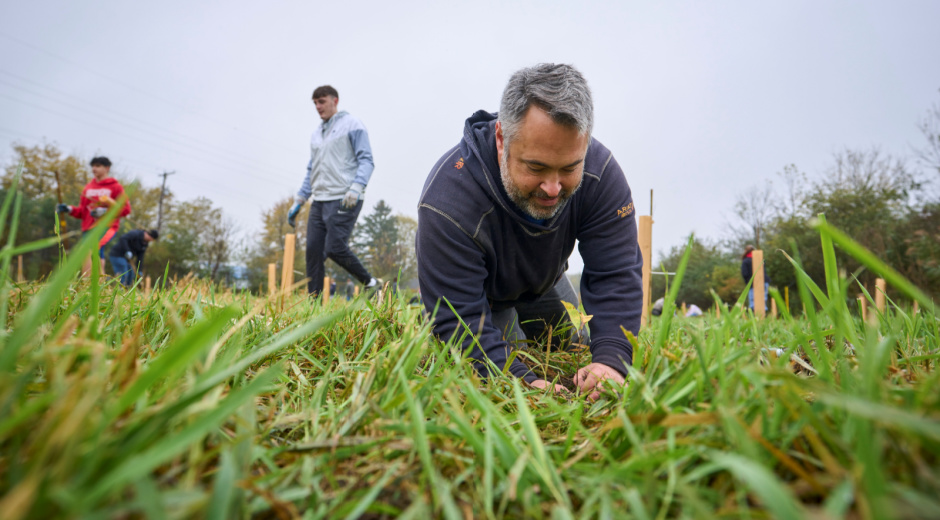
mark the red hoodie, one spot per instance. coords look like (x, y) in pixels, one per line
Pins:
(91, 195)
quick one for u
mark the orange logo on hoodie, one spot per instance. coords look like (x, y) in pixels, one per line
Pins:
(459, 164)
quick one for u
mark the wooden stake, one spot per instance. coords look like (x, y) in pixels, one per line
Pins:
(326, 289)
(880, 295)
(645, 241)
(63, 224)
(717, 309)
(773, 308)
(916, 308)
(147, 286)
(757, 263)
(355, 291)
(19, 269)
(287, 270)
(863, 305)
(786, 297)
(272, 279)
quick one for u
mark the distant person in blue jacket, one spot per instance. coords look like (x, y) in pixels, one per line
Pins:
(499, 216)
(747, 272)
(339, 169)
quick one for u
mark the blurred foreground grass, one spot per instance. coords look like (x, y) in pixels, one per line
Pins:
(197, 403)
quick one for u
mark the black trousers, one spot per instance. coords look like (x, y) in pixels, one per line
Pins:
(533, 320)
(328, 228)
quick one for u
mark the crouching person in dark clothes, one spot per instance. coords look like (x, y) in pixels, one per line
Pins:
(131, 244)
(498, 219)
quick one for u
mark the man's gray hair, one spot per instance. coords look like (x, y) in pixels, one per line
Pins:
(558, 89)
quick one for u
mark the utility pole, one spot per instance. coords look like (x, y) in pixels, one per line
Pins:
(162, 193)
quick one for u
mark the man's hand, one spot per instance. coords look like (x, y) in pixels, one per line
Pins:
(591, 377)
(292, 214)
(352, 196)
(99, 212)
(63, 208)
(542, 384)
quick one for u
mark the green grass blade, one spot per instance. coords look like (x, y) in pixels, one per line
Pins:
(776, 498)
(143, 463)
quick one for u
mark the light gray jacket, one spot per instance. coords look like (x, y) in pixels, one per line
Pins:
(340, 156)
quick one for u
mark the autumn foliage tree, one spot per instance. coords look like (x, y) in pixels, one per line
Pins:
(196, 236)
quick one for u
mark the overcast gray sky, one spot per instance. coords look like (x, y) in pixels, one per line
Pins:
(698, 101)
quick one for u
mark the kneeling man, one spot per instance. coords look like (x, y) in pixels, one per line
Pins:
(499, 216)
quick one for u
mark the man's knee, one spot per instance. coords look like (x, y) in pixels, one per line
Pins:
(336, 246)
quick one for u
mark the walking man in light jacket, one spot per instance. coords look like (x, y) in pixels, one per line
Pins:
(339, 170)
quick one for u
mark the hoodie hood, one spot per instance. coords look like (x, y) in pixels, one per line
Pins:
(336, 117)
(479, 147)
(106, 182)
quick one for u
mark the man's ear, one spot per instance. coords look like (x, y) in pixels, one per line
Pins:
(499, 139)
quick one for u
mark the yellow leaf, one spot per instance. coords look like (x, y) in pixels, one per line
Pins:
(578, 319)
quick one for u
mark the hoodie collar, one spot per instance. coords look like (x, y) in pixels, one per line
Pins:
(326, 125)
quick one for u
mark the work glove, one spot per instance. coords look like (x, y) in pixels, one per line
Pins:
(99, 212)
(352, 196)
(292, 214)
(128, 255)
(63, 208)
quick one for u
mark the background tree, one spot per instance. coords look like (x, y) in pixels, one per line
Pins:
(376, 240)
(268, 245)
(40, 163)
(754, 210)
(198, 239)
(710, 268)
(929, 153)
(407, 230)
(38, 186)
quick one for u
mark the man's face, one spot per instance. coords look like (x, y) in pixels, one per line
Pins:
(326, 106)
(147, 237)
(543, 165)
(100, 171)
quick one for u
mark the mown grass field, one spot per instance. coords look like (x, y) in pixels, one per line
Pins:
(196, 403)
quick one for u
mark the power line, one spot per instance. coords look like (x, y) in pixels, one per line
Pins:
(98, 74)
(146, 165)
(98, 117)
(135, 138)
(108, 111)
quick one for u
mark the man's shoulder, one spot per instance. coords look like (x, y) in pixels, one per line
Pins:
(597, 160)
(350, 123)
(452, 192)
(448, 177)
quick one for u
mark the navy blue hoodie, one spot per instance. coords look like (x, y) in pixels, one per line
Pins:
(477, 250)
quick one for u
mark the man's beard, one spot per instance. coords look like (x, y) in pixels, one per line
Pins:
(526, 201)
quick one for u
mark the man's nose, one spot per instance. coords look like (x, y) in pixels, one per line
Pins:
(551, 187)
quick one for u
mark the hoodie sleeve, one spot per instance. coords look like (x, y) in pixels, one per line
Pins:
(304, 192)
(140, 251)
(359, 139)
(81, 210)
(611, 283)
(451, 269)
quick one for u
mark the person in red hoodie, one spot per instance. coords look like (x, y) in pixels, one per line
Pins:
(97, 197)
